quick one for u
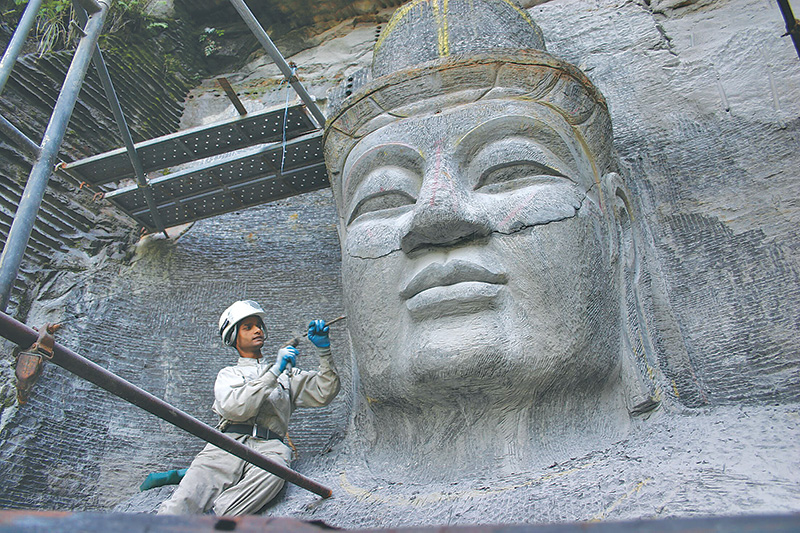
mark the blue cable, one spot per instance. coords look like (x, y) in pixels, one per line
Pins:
(285, 116)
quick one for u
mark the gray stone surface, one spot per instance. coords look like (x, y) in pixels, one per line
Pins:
(694, 463)
(470, 381)
(705, 106)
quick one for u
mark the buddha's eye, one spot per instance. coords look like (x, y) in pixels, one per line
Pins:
(514, 174)
(384, 189)
(381, 201)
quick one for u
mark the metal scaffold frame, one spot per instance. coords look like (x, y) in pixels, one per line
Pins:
(46, 154)
(147, 206)
(300, 170)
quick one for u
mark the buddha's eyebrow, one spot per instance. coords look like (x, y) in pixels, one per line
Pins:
(381, 155)
(512, 125)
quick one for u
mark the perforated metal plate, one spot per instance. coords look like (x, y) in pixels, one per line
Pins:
(250, 177)
(194, 144)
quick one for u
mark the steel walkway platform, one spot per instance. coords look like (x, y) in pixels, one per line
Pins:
(247, 173)
(243, 180)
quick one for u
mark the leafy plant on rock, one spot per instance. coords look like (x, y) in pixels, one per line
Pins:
(54, 30)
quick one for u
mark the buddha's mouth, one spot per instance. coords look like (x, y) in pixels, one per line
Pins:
(453, 288)
(450, 273)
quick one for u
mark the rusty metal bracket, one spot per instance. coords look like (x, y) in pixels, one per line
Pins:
(30, 363)
(232, 96)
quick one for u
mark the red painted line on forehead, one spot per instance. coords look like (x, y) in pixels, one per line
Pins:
(514, 212)
(437, 172)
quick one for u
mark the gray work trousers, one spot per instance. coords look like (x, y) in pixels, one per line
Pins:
(229, 484)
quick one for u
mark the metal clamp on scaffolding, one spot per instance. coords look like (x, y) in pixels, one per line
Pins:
(30, 362)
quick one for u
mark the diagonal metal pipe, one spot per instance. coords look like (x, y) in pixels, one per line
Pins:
(124, 131)
(18, 40)
(28, 208)
(22, 141)
(276, 56)
(20, 334)
(792, 26)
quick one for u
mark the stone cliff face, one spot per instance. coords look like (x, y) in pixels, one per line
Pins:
(705, 105)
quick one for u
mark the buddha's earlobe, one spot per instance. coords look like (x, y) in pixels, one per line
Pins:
(617, 211)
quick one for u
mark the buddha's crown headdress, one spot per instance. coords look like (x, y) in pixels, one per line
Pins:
(437, 53)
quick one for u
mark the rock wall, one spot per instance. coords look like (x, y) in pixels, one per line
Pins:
(153, 322)
(705, 104)
(75, 237)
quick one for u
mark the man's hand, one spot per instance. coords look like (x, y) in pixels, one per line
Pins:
(286, 356)
(318, 334)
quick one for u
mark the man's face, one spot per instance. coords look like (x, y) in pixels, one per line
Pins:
(475, 256)
(250, 337)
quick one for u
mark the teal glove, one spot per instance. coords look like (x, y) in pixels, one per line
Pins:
(158, 479)
(318, 334)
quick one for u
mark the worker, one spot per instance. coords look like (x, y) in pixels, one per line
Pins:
(254, 401)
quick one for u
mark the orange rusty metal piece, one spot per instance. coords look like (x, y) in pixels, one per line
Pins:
(31, 362)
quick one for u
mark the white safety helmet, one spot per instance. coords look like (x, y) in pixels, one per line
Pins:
(230, 318)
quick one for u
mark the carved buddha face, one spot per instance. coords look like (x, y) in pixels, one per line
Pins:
(476, 256)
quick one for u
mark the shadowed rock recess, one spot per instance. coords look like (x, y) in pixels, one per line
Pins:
(547, 322)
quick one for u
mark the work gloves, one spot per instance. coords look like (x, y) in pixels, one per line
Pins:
(318, 334)
(286, 356)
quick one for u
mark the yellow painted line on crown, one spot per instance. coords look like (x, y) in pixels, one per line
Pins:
(522, 12)
(444, 35)
(396, 19)
(437, 19)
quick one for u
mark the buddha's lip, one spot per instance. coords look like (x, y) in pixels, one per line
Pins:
(450, 273)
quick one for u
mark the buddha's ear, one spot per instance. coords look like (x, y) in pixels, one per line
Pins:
(618, 214)
(641, 395)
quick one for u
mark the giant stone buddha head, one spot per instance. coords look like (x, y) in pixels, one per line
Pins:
(478, 216)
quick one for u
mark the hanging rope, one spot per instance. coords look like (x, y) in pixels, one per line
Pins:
(286, 114)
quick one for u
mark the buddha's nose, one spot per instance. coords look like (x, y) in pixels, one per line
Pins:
(445, 214)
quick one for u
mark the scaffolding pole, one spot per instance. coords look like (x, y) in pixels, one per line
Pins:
(792, 26)
(276, 56)
(22, 141)
(17, 41)
(125, 132)
(21, 335)
(28, 207)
